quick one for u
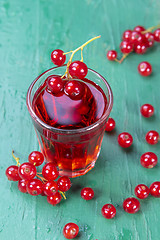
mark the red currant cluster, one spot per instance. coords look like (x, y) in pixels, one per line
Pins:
(138, 40)
(45, 185)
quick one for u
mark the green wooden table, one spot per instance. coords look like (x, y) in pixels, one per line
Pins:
(29, 31)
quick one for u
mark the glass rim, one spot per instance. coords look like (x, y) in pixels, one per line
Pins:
(69, 131)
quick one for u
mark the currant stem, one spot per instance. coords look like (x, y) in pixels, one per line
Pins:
(42, 178)
(16, 158)
(63, 195)
(123, 57)
(81, 54)
(151, 28)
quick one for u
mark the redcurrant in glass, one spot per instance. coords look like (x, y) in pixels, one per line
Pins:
(49, 171)
(155, 189)
(64, 183)
(141, 191)
(139, 29)
(54, 84)
(74, 89)
(140, 48)
(70, 230)
(78, 69)
(110, 125)
(157, 35)
(54, 199)
(125, 139)
(127, 35)
(12, 173)
(108, 211)
(36, 158)
(111, 55)
(147, 110)
(145, 69)
(87, 193)
(126, 47)
(152, 137)
(149, 39)
(131, 205)
(27, 171)
(58, 57)
(149, 160)
(34, 187)
(50, 188)
(22, 185)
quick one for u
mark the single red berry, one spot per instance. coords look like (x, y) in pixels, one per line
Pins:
(110, 125)
(140, 48)
(127, 35)
(74, 89)
(70, 230)
(131, 205)
(126, 47)
(149, 39)
(58, 57)
(22, 185)
(36, 158)
(125, 139)
(78, 69)
(49, 171)
(54, 84)
(87, 193)
(139, 29)
(54, 199)
(145, 69)
(137, 37)
(108, 211)
(152, 137)
(155, 189)
(50, 188)
(141, 191)
(27, 171)
(147, 110)
(12, 173)
(34, 187)
(64, 183)
(157, 35)
(149, 160)
(111, 55)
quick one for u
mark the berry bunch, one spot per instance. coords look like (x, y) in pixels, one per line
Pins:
(45, 185)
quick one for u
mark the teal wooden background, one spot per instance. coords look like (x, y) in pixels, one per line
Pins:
(29, 31)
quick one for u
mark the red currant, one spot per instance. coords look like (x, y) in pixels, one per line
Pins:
(147, 110)
(125, 139)
(157, 35)
(54, 199)
(108, 211)
(152, 137)
(87, 193)
(141, 191)
(22, 185)
(36, 158)
(58, 57)
(149, 160)
(131, 205)
(64, 183)
(34, 187)
(54, 84)
(126, 47)
(145, 69)
(12, 173)
(70, 230)
(111, 55)
(137, 37)
(110, 125)
(49, 171)
(50, 188)
(74, 89)
(27, 171)
(140, 48)
(155, 189)
(149, 39)
(139, 29)
(127, 35)
(78, 69)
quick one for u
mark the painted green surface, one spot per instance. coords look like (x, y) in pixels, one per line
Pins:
(29, 31)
